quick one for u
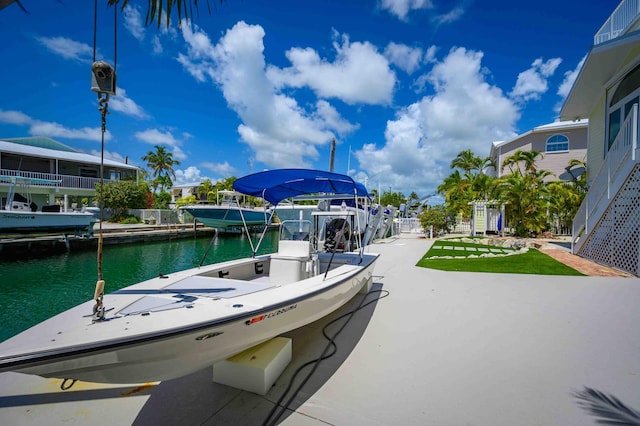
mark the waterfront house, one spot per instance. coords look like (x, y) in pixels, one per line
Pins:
(606, 228)
(45, 158)
(559, 142)
(184, 191)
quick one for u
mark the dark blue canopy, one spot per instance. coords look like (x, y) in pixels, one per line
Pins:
(277, 185)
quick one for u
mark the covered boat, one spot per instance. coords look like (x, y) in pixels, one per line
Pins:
(176, 324)
(229, 212)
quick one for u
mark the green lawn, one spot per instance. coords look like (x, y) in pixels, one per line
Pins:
(531, 262)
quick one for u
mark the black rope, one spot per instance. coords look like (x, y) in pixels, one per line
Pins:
(95, 27)
(325, 355)
(115, 38)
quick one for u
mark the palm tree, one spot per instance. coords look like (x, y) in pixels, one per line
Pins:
(528, 159)
(206, 190)
(185, 8)
(465, 160)
(456, 189)
(469, 162)
(161, 163)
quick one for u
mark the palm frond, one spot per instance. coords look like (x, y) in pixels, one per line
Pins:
(609, 409)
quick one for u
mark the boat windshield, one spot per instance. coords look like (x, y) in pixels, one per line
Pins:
(295, 230)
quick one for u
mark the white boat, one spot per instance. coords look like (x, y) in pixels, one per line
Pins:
(20, 215)
(173, 325)
(227, 213)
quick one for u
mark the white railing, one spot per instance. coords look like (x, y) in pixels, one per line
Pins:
(621, 159)
(156, 216)
(620, 20)
(410, 224)
(67, 181)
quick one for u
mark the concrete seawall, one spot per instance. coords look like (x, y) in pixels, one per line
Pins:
(17, 247)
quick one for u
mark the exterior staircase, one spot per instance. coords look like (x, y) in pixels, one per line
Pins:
(606, 228)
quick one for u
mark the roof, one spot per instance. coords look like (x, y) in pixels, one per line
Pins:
(602, 63)
(556, 126)
(48, 148)
(42, 142)
(277, 185)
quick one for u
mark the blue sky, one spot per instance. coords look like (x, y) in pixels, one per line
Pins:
(402, 85)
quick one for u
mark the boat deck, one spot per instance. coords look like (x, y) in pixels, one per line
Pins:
(443, 348)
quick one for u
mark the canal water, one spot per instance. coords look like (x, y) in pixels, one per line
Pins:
(33, 290)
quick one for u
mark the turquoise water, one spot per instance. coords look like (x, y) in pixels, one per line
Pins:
(36, 289)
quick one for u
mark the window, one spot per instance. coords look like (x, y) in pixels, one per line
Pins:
(558, 143)
(621, 104)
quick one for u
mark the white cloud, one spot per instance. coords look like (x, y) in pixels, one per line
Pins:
(401, 8)
(452, 16)
(68, 49)
(404, 57)
(359, 74)
(158, 137)
(465, 112)
(126, 105)
(570, 78)
(157, 45)
(190, 175)
(533, 82)
(14, 117)
(52, 129)
(133, 22)
(221, 169)
(279, 131)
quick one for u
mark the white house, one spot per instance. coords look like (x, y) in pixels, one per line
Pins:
(606, 229)
(45, 158)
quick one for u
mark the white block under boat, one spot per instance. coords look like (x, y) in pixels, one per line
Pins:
(173, 325)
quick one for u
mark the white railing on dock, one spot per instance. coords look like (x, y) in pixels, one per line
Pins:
(156, 216)
(67, 181)
(621, 159)
(620, 20)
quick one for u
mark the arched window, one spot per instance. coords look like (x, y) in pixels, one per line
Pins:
(558, 143)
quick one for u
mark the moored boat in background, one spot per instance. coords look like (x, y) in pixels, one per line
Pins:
(226, 214)
(20, 214)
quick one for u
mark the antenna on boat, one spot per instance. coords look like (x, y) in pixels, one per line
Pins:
(103, 82)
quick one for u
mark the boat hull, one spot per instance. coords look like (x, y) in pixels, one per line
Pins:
(30, 222)
(223, 217)
(162, 354)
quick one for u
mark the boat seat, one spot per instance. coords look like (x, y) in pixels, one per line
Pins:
(297, 248)
(290, 263)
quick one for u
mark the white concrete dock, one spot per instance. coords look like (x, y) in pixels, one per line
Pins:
(443, 348)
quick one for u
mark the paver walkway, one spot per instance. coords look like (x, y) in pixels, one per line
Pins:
(581, 264)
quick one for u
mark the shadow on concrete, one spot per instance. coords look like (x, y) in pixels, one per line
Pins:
(196, 399)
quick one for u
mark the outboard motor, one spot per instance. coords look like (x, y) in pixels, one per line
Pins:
(337, 234)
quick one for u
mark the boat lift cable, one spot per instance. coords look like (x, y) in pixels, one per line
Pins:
(272, 418)
(103, 83)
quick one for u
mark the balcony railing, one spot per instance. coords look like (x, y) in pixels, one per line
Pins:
(621, 159)
(66, 181)
(620, 20)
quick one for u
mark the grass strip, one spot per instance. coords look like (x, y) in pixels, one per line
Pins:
(531, 262)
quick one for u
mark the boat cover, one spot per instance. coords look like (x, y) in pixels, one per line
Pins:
(277, 185)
